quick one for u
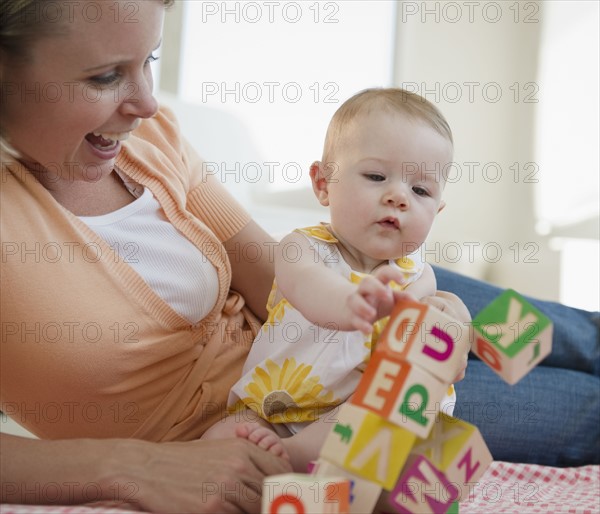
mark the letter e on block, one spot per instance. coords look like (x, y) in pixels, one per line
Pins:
(381, 384)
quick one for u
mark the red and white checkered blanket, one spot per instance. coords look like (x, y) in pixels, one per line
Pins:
(505, 488)
(531, 489)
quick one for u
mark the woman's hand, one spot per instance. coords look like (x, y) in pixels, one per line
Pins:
(197, 476)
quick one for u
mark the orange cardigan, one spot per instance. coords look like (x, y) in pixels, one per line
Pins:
(87, 348)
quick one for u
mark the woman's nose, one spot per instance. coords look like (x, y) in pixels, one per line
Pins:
(138, 98)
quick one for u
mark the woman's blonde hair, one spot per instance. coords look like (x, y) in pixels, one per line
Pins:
(395, 100)
(22, 22)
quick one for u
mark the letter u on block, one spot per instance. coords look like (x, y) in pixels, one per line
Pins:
(426, 337)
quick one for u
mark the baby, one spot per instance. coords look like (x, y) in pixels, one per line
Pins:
(381, 178)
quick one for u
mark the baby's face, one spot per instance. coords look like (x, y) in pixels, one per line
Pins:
(385, 185)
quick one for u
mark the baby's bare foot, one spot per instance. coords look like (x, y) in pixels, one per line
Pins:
(262, 437)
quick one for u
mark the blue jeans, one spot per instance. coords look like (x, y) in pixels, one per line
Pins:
(552, 415)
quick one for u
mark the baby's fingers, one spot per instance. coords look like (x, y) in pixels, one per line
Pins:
(374, 291)
(362, 313)
(387, 274)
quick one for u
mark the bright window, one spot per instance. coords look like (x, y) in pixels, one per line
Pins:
(567, 121)
(283, 68)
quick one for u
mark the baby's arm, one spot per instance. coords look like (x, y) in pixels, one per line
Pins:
(425, 285)
(323, 296)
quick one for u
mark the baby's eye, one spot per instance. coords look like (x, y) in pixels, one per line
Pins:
(152, 58)
(375, 177)
(420, 191)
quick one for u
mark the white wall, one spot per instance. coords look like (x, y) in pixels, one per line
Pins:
(481, 63)
(478, 61)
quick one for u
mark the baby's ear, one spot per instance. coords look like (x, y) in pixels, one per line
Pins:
(319, 179)
(441, 207)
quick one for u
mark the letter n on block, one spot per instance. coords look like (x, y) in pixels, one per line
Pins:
(512, 336)
(422, 488)
(457, 449)
(402, 393)
(368, 445)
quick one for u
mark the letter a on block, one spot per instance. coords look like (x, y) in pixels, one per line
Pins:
(423, 489)
(518, 336)
(379, 451)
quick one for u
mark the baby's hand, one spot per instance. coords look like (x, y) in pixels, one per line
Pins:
(374, 298)
(462, 372)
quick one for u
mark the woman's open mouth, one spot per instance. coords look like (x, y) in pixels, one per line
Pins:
(106, 145)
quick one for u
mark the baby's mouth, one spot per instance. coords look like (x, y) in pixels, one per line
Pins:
(389, 222)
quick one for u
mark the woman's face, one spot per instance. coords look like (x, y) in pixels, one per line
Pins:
(84, 89)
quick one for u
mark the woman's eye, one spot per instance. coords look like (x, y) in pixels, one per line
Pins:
(106, 80)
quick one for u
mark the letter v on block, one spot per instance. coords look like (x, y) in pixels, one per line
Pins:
(368, 446)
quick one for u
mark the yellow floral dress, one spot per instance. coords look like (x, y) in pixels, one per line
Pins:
(296, 370)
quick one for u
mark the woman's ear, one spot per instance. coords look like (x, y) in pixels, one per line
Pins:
(320, 185)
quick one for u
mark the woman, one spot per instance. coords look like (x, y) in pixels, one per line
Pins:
(125, 321)
(124, 361)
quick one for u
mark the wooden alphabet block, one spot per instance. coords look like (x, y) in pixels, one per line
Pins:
(363, 493)
(402, 393)
(457, 449)
(422, 488)
(426, 337)
(367, 445)
(297, 492)
(512, 336)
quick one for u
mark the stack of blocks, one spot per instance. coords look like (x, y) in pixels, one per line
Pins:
(392, 435)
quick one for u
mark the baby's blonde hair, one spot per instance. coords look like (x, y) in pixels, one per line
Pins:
(395, 100)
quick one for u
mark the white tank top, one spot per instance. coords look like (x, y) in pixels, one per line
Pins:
(170, 264)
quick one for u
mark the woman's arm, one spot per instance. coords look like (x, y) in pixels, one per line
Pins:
(251, 253)
(195, 476)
